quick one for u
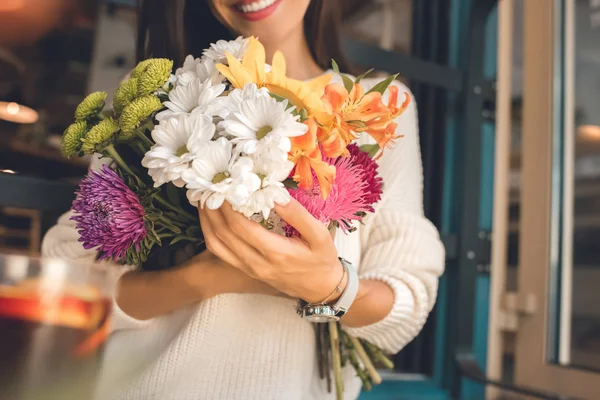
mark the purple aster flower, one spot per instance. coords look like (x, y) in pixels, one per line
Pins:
(109, 215)
(374, 187)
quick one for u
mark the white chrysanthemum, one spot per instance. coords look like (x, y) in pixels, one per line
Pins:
(259, 117)
(216, 52)
(272, 173)
(216, 176)
(237, 97)
(177, 141)
(197, 68)
(196, 96)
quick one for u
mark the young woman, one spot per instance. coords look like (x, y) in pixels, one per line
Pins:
(223, 325)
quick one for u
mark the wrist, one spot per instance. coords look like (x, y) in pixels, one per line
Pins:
(331, 285)
(339, 289)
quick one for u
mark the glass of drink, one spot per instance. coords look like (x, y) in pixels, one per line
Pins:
(54, 319)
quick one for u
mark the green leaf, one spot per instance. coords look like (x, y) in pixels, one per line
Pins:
(177, 240)
(193, 231)
(348, 84)
(382, 86)
(370, 149)
(303, 115)
(335, 66)
(361, 76)
(290, 183)
(361, 214)
(173, 194)
(174, 229)
(281, 99)
(277, 97)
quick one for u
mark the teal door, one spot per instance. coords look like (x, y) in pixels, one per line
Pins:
(451, 71)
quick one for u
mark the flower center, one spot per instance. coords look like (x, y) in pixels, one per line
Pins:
(102, 211)
(220, 177)
(182, 150)
(262, 132)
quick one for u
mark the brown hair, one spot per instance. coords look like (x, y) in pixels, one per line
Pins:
(175, 28)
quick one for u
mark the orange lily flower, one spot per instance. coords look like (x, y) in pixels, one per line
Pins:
(350, 114)
(384, 134)
(393, 101)
(306, 155)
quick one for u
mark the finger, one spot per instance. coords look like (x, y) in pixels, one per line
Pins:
(250, 257)
(251, 232)
(312, 230)
(215, 245)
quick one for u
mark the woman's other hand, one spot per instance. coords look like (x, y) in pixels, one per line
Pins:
(210, 276)
(147, 294)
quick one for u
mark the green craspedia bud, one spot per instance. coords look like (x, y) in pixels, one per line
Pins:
(137, 112)
(100, 136)
(155, 76)
(70, 144)
(90, 106)
(125, 94)
(140, 68)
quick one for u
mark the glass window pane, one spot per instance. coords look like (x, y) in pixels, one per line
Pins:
(585, 221)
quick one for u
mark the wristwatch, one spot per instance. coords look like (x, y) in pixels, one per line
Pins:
(319, 313)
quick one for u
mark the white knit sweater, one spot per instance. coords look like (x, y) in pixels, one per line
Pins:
(245, 346)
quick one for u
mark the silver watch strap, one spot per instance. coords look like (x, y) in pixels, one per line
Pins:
(347, 298)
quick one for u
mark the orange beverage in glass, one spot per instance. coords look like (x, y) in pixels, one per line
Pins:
(54, 319)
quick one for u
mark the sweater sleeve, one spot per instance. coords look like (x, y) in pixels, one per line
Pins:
(62, 241)
(400, 246)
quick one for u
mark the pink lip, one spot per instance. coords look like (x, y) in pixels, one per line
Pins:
(257, 15)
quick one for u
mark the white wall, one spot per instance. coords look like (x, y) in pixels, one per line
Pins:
(115, 37)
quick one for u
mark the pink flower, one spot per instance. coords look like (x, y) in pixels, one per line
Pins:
(374, 188)
(346, 202)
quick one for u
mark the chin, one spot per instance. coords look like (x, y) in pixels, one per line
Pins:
(265, 19)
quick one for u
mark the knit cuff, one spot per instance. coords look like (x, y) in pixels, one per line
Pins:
(389, 333)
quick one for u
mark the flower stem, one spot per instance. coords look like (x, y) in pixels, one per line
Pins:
(112, 152)
(334, 340)
(144, 138)
(142, 149)
(377, 355)
(375, 377)
(171, 207)
(353, 359)
(169, 225)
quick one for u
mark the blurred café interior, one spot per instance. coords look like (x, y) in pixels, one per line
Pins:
(509, 106)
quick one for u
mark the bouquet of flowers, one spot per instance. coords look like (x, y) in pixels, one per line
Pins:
(229, 127)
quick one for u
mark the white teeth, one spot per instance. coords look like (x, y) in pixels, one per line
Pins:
(256, 6)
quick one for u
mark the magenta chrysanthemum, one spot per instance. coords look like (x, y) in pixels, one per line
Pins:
(374, 188)
(109, 215)
(346, 200)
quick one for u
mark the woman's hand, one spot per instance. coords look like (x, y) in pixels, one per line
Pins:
(306, 268)
(148, 294)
